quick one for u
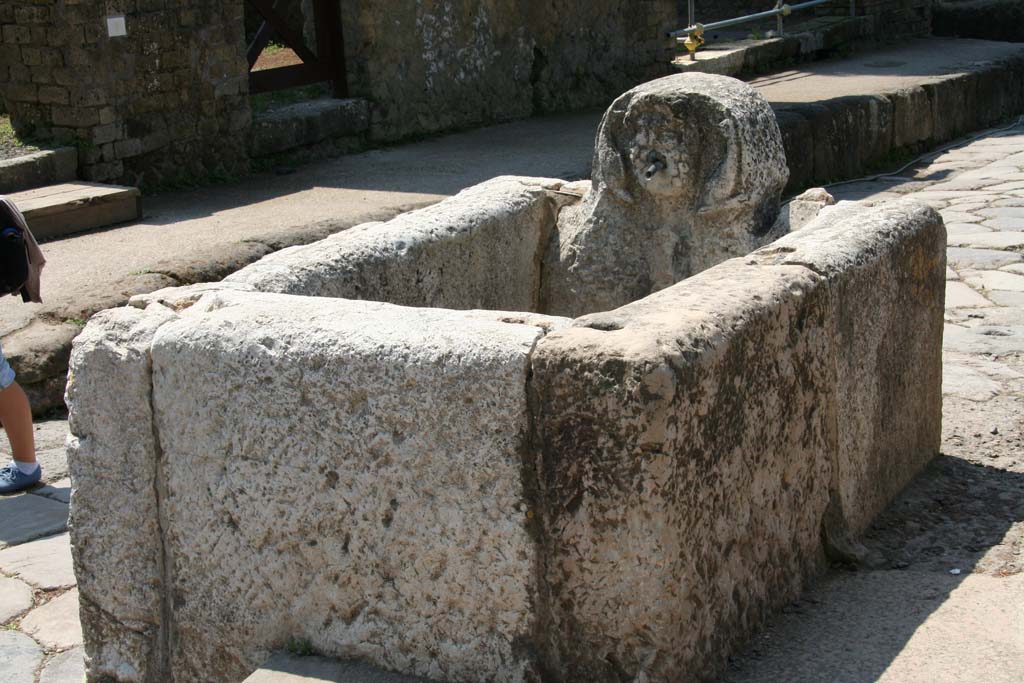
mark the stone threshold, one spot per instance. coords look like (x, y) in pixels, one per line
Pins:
(309, 130)
(35, 169)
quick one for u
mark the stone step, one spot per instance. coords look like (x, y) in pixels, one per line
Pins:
(58, 210)
(37, 168)
(284, 667)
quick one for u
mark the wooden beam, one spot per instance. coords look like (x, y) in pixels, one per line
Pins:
(330, 40)
(286, 77)
(263, 37)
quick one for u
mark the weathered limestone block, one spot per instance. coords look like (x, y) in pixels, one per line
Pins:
(479, 249)
(115, 529)
(455, 495)
(682, 442)
(688, 170)
(801, 210)
(702, 447)
(886, 267)
(350, 473)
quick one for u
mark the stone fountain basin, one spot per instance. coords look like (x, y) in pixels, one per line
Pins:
(374, 444)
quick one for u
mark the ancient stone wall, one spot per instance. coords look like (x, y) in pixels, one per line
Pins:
(430, 65)
(167, 103)
(985, 19)
(894, 19)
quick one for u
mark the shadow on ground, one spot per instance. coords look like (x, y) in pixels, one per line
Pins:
(951, 536)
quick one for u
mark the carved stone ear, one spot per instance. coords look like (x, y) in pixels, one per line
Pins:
(723, 184)
(611, 157)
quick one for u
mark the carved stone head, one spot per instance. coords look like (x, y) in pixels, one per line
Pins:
(687, 172)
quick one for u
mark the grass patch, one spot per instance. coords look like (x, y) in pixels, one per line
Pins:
(7, 136)
(300, 647)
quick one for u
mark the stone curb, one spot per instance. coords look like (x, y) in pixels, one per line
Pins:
(847, 137)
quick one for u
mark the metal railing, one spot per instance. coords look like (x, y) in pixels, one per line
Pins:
(693, 35)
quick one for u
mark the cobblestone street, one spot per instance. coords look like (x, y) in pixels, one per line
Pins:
(954, 541)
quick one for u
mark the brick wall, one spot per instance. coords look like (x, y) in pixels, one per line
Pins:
(165, 104)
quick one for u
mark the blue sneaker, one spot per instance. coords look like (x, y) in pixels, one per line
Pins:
(13, 480)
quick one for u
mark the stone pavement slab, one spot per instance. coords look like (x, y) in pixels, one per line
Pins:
(993, 340)
(1005, 298)
(44, 563)
(996, 279)
(989, 240)
(960, 258)
(66, 667)
(27, 517)
(966, 229)
(968, 383)
(58, 490)
(19, 657)
(15, 598)
(55, 624)
(959, 295)
(1005, 223)
(1003, 212)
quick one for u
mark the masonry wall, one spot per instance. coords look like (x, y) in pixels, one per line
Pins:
(430, 65)
(165, 104)
(894, 18)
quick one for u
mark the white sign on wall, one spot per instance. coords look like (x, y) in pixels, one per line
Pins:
(116, 27)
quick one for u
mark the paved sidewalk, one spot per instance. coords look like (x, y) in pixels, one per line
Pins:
(39, 628)
(942, 600)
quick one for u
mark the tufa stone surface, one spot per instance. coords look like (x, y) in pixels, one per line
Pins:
(112, 456)
(392, 523)
(688, 170)
(464, 497)
(680, 468)
(478, 249)
(887, 280)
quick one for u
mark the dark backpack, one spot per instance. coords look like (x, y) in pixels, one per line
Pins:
(13, 261)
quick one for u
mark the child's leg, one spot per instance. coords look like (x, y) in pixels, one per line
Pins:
(16, 416)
